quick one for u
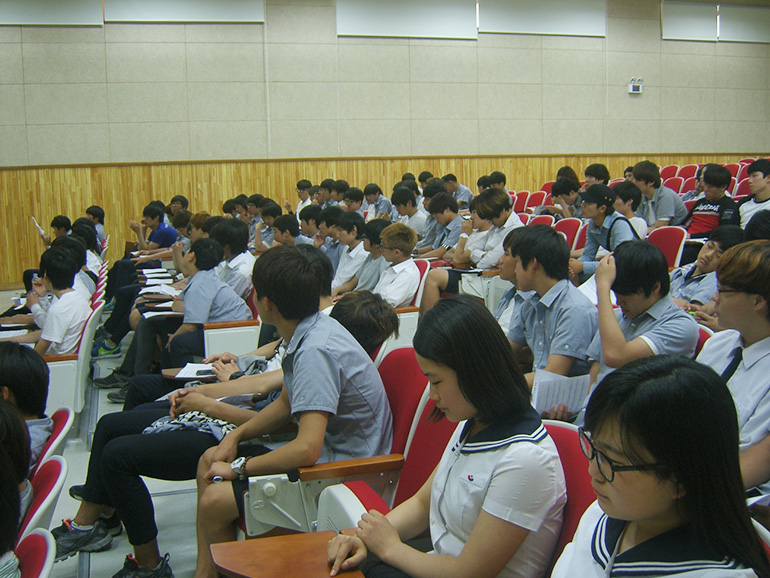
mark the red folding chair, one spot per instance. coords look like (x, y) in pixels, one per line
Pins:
(687, 171)
(536, 199)
(520, 202)
(674, 183)
(670, 240)
(62, 424)
(580, 240)
(542, 220)
(524, 217)
(570, 227)
(36, 554)
(668, 171)
(424, 266)
(733, 168)
(46, 487)
(547, 186)
(742, 189)
(689, 184)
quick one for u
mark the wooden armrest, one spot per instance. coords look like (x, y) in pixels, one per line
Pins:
(60, 357)
(354, 467)
(407, 309)
(231, 324)
(490, 273)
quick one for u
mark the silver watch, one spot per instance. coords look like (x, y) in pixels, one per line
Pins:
(239, 467)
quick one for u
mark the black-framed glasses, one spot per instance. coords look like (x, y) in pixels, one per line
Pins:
(607, 467)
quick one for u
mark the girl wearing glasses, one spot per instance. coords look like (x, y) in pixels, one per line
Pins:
(493, 504)
(661, 435)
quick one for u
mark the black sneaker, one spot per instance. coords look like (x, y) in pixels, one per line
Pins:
(113, 380)
(131, 569)
(101, 334)
(70, 541)
(118, 396)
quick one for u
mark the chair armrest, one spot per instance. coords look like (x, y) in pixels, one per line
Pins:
(231, 324)
(60, 357)
(356, 467)
(407, 309)
(490, 272)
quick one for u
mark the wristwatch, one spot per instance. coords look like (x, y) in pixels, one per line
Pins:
(239, 467)
(236, 375)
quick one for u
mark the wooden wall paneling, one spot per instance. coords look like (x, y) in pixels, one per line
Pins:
(123, 190)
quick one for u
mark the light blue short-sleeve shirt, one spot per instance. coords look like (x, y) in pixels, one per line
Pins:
(693, 288)
(208, 298)
(607, 236)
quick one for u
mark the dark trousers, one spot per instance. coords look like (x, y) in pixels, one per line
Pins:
(144, 389)
(121, 454)
(122, 273)
(184, 347)
(118, 323)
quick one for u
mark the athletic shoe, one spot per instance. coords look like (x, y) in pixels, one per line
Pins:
(102, 350)
(101, 334)
(109, 306)
(131, 569)
(113, 380)
(70, 541)
(118, 396)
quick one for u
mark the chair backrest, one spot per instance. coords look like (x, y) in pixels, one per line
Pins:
(742, 188)
(404, 384)
(424, 266)
(542, 220)
(36, 554)
(520, 202)
(686, 171)
(524, 217)
(668, 171)
(84, 355)
(743, 172)
(733, 168)
(62, 424)
(580, 240)
(615, 181)
(570, 227)
(690, 204)
(536, 199)
(689, 185)
(46, 487)
(670, 240)
(547, 186)
(252, 305)
(703, 336)
(674, 183)
(580, 494)
(424, 448)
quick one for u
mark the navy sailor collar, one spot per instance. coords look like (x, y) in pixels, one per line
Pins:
(671, 553)
(524, 428)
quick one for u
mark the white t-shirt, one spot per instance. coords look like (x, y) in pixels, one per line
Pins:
(65, 321)
(350, 264)
(398, 283)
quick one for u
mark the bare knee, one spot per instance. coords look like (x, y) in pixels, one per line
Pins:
(217, 503)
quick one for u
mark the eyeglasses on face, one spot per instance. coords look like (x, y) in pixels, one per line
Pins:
(607, 467)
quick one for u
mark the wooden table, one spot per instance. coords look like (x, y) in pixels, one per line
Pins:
(296, 555)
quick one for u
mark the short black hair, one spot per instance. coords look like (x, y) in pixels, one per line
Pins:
(96, 212)
(208, 253)
(372, 189)
(58, 264)
(210, 223)
(329, 215)
(496, 177)
(349, 219)
(758, 226)
(228, 206)
(433, 188)
(759, 166)
(425, 176)
(717, 176)
(491, 203)
(598, 171)
(75, 245)
(241, 200)
(255, 199)
(483, 181)
(87, 234)
(271, 210)
(564, 186)
(545, 244)
(640, 265)
(367, 317)
(153, 212)
(727, 236)
(647, 172)
(403, 196)
(15, 446)
(289, 278)
(310, 213)
(181, 199)
(321, 265)
(232, 232)
(354, 194)
(373, 228)
(304, 184)
(627, 190)
(449, 178)
(61, 222)
(408, 177)
(327, 184)
(287, 223)
(442, 201)
(340, 186)
(25, 374)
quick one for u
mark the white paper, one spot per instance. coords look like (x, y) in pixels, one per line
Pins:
(158, 281)
(192, 369)
(588, 288)
(161, 290)
(15, 333)
(148, 314)
(38, 227)
(134, 253)
(13, 325)
(156, 273)
(154, 270)
(166, 305)
(550, 389)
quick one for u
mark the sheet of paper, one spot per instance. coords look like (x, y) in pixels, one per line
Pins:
(9, 325)
(551, 389)
(192, 369)
(14, 333)
(39, 228)
(588, 288)
(167, 305)
(161, 290)
(158, 281)
(155, 273)
(154, 270)
(149, 314)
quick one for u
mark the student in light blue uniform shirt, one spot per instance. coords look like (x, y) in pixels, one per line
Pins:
(378, 203)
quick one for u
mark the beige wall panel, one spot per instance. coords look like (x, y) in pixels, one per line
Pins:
(129, 33)
(573, 43)
(374, 100)
(686, 47)
(13, 146)
(234, 62)
(146, 62)
(448, 64)
(510, 101)
(147, 101)
(687, 70)
(573, 136)
(438, 101)
(306, 138)
(624, 106)
(11, 69)
(44, 63)
(301, 62)
(160, 141)
(740, 105)
(571, 67)
(508, 41)
(517, 66)
(690, 135)
(622, 66)
(75, 103)
(739, 72)
(56, 144)
(373, 63)
(687, 104)
(12, 104)
(227, 33)
(742, 49)
(437, 137)
(576, 102)
(512, 136)
(748, 137)
(62, 34)
(633, 35)
(217, 140)
(646, 9)
(369, 137)
(291, 24)
(10, 34)
(303, 100)
(226, 101)
(630, 136)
